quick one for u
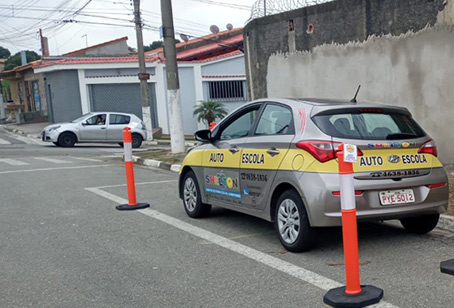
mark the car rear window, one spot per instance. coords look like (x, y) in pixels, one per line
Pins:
(368, 123)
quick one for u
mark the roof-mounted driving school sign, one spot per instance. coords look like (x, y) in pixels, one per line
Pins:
(350, 153)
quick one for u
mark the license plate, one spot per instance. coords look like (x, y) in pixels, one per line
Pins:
(397, 196)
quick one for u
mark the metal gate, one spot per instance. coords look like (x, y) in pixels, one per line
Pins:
(124, 97)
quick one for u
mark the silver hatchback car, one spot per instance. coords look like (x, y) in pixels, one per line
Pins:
(98, 127)
(276, 159)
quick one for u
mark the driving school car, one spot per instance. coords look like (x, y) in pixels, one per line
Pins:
(276, 159)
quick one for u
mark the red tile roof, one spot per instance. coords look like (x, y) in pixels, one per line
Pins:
(94, 60)
(209, 37)
(205, 51)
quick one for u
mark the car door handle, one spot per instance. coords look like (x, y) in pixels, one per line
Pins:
(103, 128)
(233, 150)
(272, 152)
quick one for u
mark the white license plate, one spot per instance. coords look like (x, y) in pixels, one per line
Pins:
(397, 196)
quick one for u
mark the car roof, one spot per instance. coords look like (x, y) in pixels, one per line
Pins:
(322, 104)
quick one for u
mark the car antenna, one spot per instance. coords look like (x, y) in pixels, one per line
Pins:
(353, 100)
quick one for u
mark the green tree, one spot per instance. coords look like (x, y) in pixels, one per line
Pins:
(4, 53)
(156, 44)
(15, 60)
(153, 45)
(209, 111)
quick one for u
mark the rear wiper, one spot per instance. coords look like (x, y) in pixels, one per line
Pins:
(400, 136)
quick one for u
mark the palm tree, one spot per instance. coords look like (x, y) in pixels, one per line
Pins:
(209, 111)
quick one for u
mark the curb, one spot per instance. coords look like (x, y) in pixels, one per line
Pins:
(156, 164)
(18, 131)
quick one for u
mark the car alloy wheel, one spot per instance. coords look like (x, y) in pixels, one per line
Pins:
(288, 221)
(190, 194)
(192, 199)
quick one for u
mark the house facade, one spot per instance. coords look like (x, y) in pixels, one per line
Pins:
(209, 69)
(27, 90)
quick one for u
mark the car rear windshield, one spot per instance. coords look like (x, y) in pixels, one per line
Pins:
(368, 123)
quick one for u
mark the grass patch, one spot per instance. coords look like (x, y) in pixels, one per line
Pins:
(165, 156)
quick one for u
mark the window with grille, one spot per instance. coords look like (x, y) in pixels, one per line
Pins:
(232, 90)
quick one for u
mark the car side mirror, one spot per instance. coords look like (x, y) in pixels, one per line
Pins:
(84, 123)
(203, 135)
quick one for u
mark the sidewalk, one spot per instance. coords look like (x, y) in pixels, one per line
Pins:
(33, 130)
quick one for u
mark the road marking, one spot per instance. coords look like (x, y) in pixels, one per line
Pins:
(55, 169)
(300, 273)
(143, 183)
(3, 141)
(53, 160)
(13, 162)
(83, 158)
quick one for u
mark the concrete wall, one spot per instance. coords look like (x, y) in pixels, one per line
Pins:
(230, 67)
(339, 21)
(414, 70)
(115, 49)
(63, 96)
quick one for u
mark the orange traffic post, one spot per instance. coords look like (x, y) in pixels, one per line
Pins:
(353, 294)
(129, 166)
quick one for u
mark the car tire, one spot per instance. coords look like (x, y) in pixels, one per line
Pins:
(420, 224)
(67, 140)
(192, 199)
(292, 224)
(56, 143)
(136, 141)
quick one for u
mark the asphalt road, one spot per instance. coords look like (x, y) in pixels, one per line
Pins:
(63, 244)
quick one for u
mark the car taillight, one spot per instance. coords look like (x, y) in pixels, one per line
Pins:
(436, 185)
(323, 151)
(357, 193)
(429, 147)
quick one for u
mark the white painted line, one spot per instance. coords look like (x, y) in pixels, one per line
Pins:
(142, 183)
(54, 169)
(84, 158)
(13, 162)
(53, 160)
(3, 141)
(300, 273)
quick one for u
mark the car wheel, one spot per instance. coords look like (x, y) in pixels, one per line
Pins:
(192, 200)
(421, 224)
(292, 224)
(56, 143)
(67, 140)
(136, 141)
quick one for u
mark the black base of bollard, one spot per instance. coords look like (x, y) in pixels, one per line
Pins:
(337, 297)
(127, 207)
(447, 267)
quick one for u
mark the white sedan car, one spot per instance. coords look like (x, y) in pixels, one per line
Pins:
(98, 127)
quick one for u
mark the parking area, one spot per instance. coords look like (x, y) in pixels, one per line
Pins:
(79, 251)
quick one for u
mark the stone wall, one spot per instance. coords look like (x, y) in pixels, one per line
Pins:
(339, 21)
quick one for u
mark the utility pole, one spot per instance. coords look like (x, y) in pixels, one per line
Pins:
(173, 85)
(143, 75)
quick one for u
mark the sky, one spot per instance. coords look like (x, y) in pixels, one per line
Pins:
(72, 24)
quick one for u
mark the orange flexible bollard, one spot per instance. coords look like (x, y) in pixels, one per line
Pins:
(353, 294)
(129, 166)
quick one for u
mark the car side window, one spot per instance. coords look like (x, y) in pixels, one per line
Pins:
(275, 120)
(239, 127)
(99, 119)
(117, 119)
